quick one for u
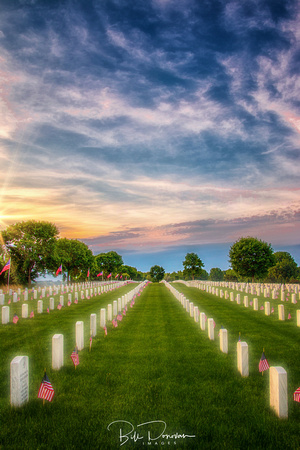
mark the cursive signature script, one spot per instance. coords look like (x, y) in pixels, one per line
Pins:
(149, 431)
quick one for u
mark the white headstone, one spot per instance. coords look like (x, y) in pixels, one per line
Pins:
(242, 358)
(5, 315)
(115, 308)
(202, 321)
(79, 335)
(196, 313)
(119, 304)
(246, 301)
(267, 308)
(25, 310)
(192, 309)
(15, 297)
(298, 317)
(51, 303)
(93, 325)
(40, 306)
(238, 299)
(294, 299)
(25, 296)
(109, 313)
(211, 330)
(102, 317)
(2, 298)
(35, 294)
(278, 391)
(281, 312)
(57, 351)
(61, 300)
(255, 304)
(223, 340)
(19, 381)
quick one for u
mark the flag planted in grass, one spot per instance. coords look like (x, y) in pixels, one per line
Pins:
(31, 314)
(59, 306)
(297, 395)
(15, 318)
(263, 363)
(115, 323)
(75, 356)
(105, 331)
(46, 391)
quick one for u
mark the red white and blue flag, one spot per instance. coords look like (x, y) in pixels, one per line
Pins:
(108, 276)
(263, 363)
(297, 395)
(46, 391)
(100, 274)
(75, 357)
(59, 270)
(88, 274)
(15, 318)
(6, 267)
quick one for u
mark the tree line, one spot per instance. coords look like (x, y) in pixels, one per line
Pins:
(35, 249)
(250, 259)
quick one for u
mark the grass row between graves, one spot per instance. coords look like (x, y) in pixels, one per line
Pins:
(157, 365)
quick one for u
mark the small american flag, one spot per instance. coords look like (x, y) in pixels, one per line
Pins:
(105, 331)
(119, 317)
(75, 356)
(297, 395)
(115, 323)
(46, 391)
(124, 312)
(76, 301)
(263, 363)
(272, 310)
(31, 314)
(289, 316)
(69, 303)
(48, 311)
(59, 306)
(262, 307)
(15, 318)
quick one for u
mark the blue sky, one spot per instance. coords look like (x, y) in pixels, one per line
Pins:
(152, 127)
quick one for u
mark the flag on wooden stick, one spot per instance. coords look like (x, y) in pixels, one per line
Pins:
(46, 391)
(6, 267)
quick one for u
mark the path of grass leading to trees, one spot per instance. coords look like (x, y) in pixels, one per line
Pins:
(157, 365)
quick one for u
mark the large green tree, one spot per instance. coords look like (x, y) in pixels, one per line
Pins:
(192, 265)
(285, 268)
(110, 262)
(251, 257)
(157, 273)
(75, 256)
(216, 274)
(31, 246)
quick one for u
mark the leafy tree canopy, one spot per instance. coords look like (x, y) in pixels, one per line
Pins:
(216, 274)
(192, 265)
(31, 246)
(109, 262)
(157, 273)
(75, 257)
(251, 257)
(285, 268)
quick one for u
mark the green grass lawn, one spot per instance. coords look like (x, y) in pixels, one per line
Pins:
(156, 366)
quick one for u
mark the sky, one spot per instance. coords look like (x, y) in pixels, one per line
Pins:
(152, 127)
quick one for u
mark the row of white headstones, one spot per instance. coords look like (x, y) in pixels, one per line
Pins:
(88, 291)
(95, 288)
(19, 366)
(278, 375)
(254, 289)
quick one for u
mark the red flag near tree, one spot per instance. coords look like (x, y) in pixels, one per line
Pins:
(59, 270)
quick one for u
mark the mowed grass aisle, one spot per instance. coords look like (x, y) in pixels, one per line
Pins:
(156, 366)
